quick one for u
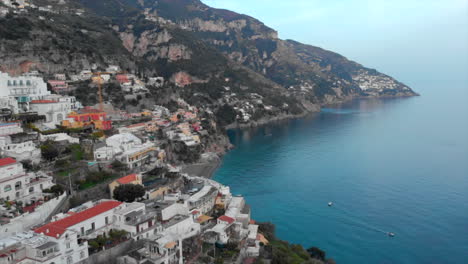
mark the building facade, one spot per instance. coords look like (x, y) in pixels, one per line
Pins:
(18, 185)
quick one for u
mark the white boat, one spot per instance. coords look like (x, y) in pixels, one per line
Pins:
(330, 203)
(390, 234)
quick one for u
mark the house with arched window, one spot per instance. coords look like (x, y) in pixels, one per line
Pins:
(18, 185)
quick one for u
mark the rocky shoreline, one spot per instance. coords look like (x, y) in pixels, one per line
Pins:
(207, 168)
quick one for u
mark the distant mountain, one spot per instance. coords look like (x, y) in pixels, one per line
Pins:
(212, 57)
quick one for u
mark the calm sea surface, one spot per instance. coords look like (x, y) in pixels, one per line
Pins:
(390, 165)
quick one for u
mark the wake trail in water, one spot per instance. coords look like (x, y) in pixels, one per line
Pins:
(359, 222)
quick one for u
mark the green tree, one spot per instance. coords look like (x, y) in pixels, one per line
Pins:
(27, 164)
(226, 114)
(128, 192)
(118, 166)
(57, 189)
(49, 151)
(316, 253)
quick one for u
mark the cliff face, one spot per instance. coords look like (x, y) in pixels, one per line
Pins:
(211, 56)
(312, 73)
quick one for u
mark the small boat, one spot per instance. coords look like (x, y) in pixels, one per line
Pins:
(390, 234)
(330, 203)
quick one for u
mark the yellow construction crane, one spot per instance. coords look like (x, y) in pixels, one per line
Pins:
(98, 74)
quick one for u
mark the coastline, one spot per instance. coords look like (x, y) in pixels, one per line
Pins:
(311, 110)
(207, 168)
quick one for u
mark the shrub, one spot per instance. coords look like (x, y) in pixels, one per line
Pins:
(128, 192)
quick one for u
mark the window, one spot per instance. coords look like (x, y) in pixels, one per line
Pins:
(68, 245)
(82, 254)
(31, 189)
(82, 230)
(69, 260)
(93, 226)
(107, 220)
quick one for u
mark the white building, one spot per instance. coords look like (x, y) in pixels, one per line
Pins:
(54, 107)
(24, 88)
(10, 128)
(17, 184)
(60, 137)
(9, 102)
(160, 250)
(25, 150)
(203, 200)
(126, 148)
(166, 210)
(87, 221)
(137, 221)
(30, 247)
(113, 69)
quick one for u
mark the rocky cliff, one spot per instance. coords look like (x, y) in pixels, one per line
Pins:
(211, 57)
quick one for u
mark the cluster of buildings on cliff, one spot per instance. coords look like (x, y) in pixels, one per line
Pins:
(168, 224)
(161, 226)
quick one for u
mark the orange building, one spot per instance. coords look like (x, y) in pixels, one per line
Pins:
(88, 117)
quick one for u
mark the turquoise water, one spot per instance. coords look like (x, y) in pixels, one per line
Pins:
(390, 165)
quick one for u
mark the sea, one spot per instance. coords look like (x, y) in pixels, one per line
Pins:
(395, 165)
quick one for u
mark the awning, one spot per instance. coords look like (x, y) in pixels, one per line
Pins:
(170, 245)
(203, 218)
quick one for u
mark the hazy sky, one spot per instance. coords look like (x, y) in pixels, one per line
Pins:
(419, 42)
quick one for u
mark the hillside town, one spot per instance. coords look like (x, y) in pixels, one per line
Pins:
(114, 117)
(82, 184)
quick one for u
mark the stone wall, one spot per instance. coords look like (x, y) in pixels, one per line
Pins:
(26, 221)
(110, 255)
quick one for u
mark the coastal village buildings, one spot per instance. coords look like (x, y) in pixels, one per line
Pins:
(21, 147)
(88, 118)
(87, 221)
(29, 247)
(10, 128)
(18, 185)
(55, 108)
(10, 103)
(24, 88)
(176, 213)
(161, 225)
(128, 149)
(58, 85)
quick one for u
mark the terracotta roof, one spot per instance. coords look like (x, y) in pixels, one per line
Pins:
(43, 102)
(195, 212)
(226, 218)
(7, 161)
(56, 82)
(127, 179)
(57, 228)
(136, 125)
(203, 218)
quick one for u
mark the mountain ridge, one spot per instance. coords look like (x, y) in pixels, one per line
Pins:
(211, 57)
